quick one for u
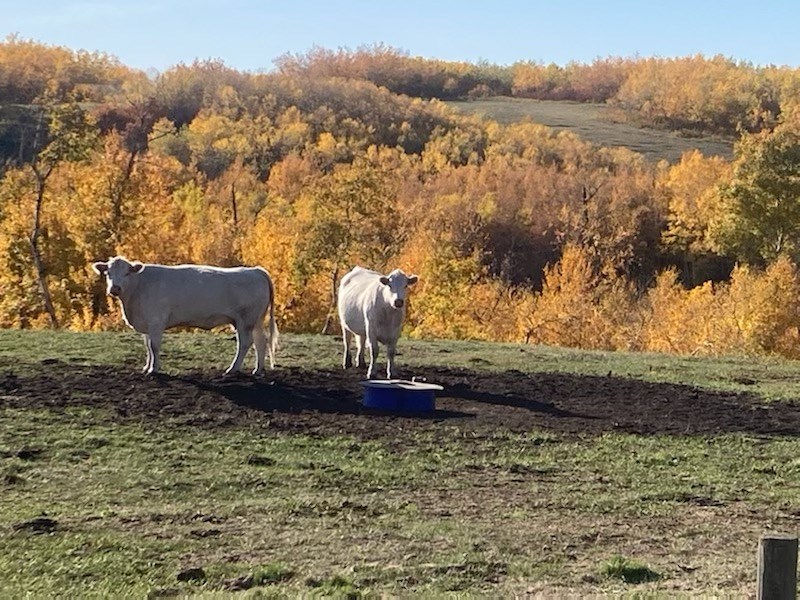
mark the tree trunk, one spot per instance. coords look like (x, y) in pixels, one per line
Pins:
(117, 193)
(332, 310)
(237, 239)
(38, 263)
(233, 207)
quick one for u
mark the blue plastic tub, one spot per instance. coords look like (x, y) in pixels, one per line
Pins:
(400, 395)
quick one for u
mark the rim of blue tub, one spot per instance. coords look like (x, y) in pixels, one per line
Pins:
(403, 384)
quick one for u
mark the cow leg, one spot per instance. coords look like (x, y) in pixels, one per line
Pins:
(260, 344)
(347, 360)
(391, 350)
(360, 343)
(244, 339)
(154, 346)
(149, 363)
(372, 346)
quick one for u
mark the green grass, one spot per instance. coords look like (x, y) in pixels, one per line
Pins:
(434, 513)
(595, 123)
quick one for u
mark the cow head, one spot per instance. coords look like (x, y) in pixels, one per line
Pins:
(118, 272)
(398, 282)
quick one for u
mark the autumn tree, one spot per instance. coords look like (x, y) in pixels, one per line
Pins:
(582, 304)
(348, 218)
(397, 71)
(696, 92)
(756, 312)
(694, 209)
(69, 138)
(184, 90)
(615, 214)
(31, 70)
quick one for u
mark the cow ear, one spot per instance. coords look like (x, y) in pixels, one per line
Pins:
(136, 267)
(100, 268)
(385, 280)
(412, 279)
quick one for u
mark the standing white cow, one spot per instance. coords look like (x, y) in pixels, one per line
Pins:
(158, 297)
(372, 308)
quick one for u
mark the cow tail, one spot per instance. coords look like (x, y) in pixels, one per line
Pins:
(273, 327)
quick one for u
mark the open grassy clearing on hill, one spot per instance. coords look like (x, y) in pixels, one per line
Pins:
(596, 123)
(542, 470)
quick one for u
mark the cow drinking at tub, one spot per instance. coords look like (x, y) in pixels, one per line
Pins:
(157, 297)
(372, 307)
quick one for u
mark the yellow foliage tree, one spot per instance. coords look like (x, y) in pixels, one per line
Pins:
(581, 305)
(273, 243)
(761, 310)
(690, 190)
(678, 320)
(756, 313)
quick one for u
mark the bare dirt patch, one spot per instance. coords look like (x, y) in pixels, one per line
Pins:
(328, 402)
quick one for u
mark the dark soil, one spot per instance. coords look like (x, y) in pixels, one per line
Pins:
(328, 402)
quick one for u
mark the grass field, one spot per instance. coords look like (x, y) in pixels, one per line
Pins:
(596, 123)
(115, 484)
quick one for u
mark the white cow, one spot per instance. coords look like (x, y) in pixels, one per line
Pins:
(372, 308)
(157, 297)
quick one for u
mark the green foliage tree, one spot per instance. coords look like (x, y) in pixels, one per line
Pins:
(762, 201)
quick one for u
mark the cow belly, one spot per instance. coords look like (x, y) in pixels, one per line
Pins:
(225, 307)
(387, 339)
(356, 326)
(202, 321)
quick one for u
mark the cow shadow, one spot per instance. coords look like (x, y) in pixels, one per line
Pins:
(335, 391)
(576, 403)
(330, 399)
(516, 401)
(460, 391)
(295, 391)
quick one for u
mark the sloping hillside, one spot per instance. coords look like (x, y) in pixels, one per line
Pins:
(595, 123)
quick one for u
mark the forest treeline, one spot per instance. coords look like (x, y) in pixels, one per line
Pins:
(692, 93)
(336, 158)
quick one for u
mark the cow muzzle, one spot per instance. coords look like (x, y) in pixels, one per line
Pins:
(114, 290)
(399, 303)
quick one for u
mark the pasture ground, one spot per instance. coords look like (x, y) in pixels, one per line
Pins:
(596, 123)
(543, 471)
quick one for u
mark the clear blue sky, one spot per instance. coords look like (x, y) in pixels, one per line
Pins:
(250, 34)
